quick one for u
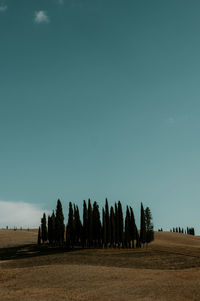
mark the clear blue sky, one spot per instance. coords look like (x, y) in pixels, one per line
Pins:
(101, 98)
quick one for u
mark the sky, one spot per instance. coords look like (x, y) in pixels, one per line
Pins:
(100, 98)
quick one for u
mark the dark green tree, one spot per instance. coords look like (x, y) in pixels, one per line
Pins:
(85, 225)
(70, 235)
(142, 226)
(127, 228)
(44, 228)
(107, 217)
(116, 225)
(149, 226)
(133, 228)
(112, 227)
(77, 226)
(59, 224)
(96, 225)
(50, 234)
(121, 224)
(53, 225)
(104, 232)
(90, 223)
(39, 237)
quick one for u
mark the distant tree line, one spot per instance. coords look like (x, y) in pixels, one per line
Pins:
(110, 230)
(189, 231)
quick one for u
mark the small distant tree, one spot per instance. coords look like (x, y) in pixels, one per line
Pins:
(44, 228)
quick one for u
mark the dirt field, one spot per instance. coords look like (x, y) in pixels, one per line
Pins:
(168, 270)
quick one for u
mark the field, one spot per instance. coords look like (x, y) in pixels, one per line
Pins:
(168, 270)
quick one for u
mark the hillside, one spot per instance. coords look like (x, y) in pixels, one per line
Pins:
(168, 270)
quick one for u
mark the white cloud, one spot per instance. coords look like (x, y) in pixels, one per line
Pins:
(41, 17)
(3, 7)
(61, 1)
(20, 214)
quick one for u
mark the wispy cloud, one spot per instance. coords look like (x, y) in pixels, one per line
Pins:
(61, 1)
(3, 7)
(41, 17)
(20, 214)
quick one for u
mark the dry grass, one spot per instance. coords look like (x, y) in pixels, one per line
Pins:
(11, 238)
(168, 270)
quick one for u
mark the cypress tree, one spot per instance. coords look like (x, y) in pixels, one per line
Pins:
(149, 226)
(121, 224)
(107, 216)
(90, 229)
(70, 227)
(127, 228)
(96, 225)
(50, 229)
(85, 225)
(59, 224)
(53, 225)
(39, 237)
(44, 228)
(104, 232)
(77, 225)
(112, 227)
(142, 226)
(116, 226)
(133, 227)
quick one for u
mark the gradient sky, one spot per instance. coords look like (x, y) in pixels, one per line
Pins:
(101, 98)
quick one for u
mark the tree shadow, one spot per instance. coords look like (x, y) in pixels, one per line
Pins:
(32, 250)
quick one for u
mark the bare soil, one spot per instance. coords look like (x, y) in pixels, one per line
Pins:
(168, 270)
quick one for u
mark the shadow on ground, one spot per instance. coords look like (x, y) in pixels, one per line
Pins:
(33, 255)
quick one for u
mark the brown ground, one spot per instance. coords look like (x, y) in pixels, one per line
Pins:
(168, 270)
